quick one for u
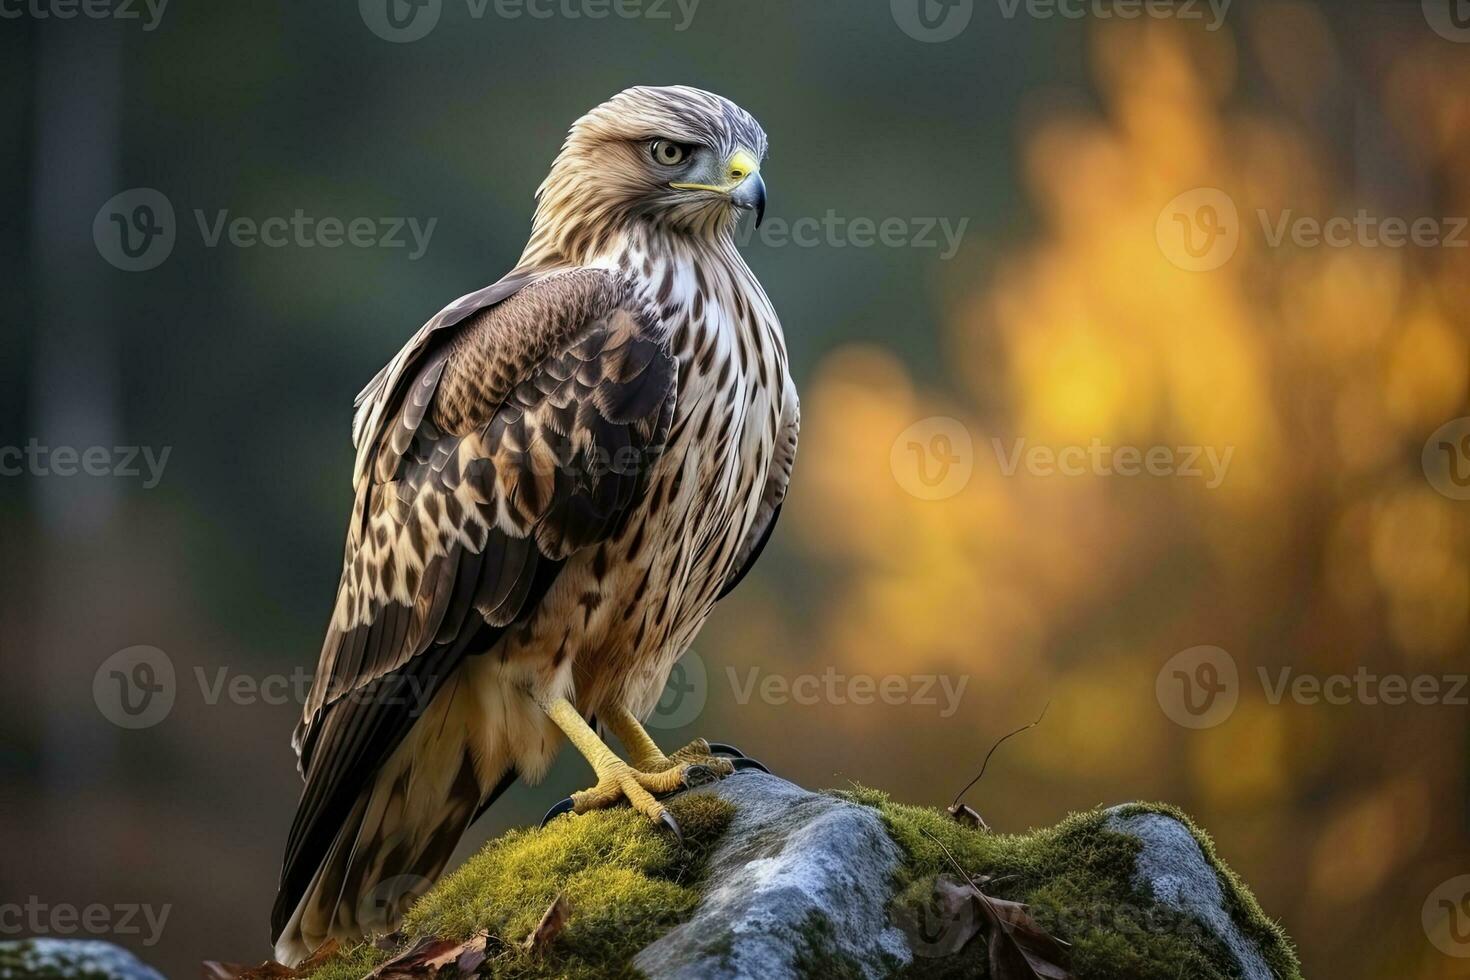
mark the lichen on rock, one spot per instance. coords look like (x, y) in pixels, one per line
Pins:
(45, 958)
(775, 881)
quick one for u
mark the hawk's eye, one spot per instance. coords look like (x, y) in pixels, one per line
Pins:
(667, 152)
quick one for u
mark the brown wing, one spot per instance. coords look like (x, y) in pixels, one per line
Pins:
(523, 436)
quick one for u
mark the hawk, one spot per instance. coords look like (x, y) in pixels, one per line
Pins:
(556, 479)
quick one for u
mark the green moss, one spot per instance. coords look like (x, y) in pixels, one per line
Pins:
(351, 964)
(625, 884)
(1078, 879)
(1269, 937)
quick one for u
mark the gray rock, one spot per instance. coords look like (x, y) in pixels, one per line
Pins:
(794, 866)
(1177, 873)
(70, 959)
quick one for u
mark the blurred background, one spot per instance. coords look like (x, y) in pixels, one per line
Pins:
(1015, 247)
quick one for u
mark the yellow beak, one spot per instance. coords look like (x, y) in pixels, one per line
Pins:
(742, 164)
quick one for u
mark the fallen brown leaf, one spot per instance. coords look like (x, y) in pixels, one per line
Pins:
(269, 969)
(550, 926)
(1019, 948)
(423, 959)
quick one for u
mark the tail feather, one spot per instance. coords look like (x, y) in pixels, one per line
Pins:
(386, 855)
(396, 837)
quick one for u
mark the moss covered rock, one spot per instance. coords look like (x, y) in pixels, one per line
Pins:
(775, 881)
(70, 959)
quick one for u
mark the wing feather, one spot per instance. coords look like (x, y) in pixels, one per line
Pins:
(484, 444)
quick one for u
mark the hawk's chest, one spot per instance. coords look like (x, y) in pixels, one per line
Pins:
(727, 341)
(705, 489)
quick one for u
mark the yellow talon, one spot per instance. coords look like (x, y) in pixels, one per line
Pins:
(616, 780)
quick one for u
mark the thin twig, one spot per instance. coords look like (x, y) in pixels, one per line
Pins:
(961, 794)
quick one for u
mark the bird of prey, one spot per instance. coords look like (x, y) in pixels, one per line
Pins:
(556, 479)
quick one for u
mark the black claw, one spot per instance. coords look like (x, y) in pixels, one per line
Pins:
(725, 748)
(699, 776)
(745, 762)
(565, 806)
(672, 825)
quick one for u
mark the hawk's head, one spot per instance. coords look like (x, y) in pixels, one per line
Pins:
(675, 156)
